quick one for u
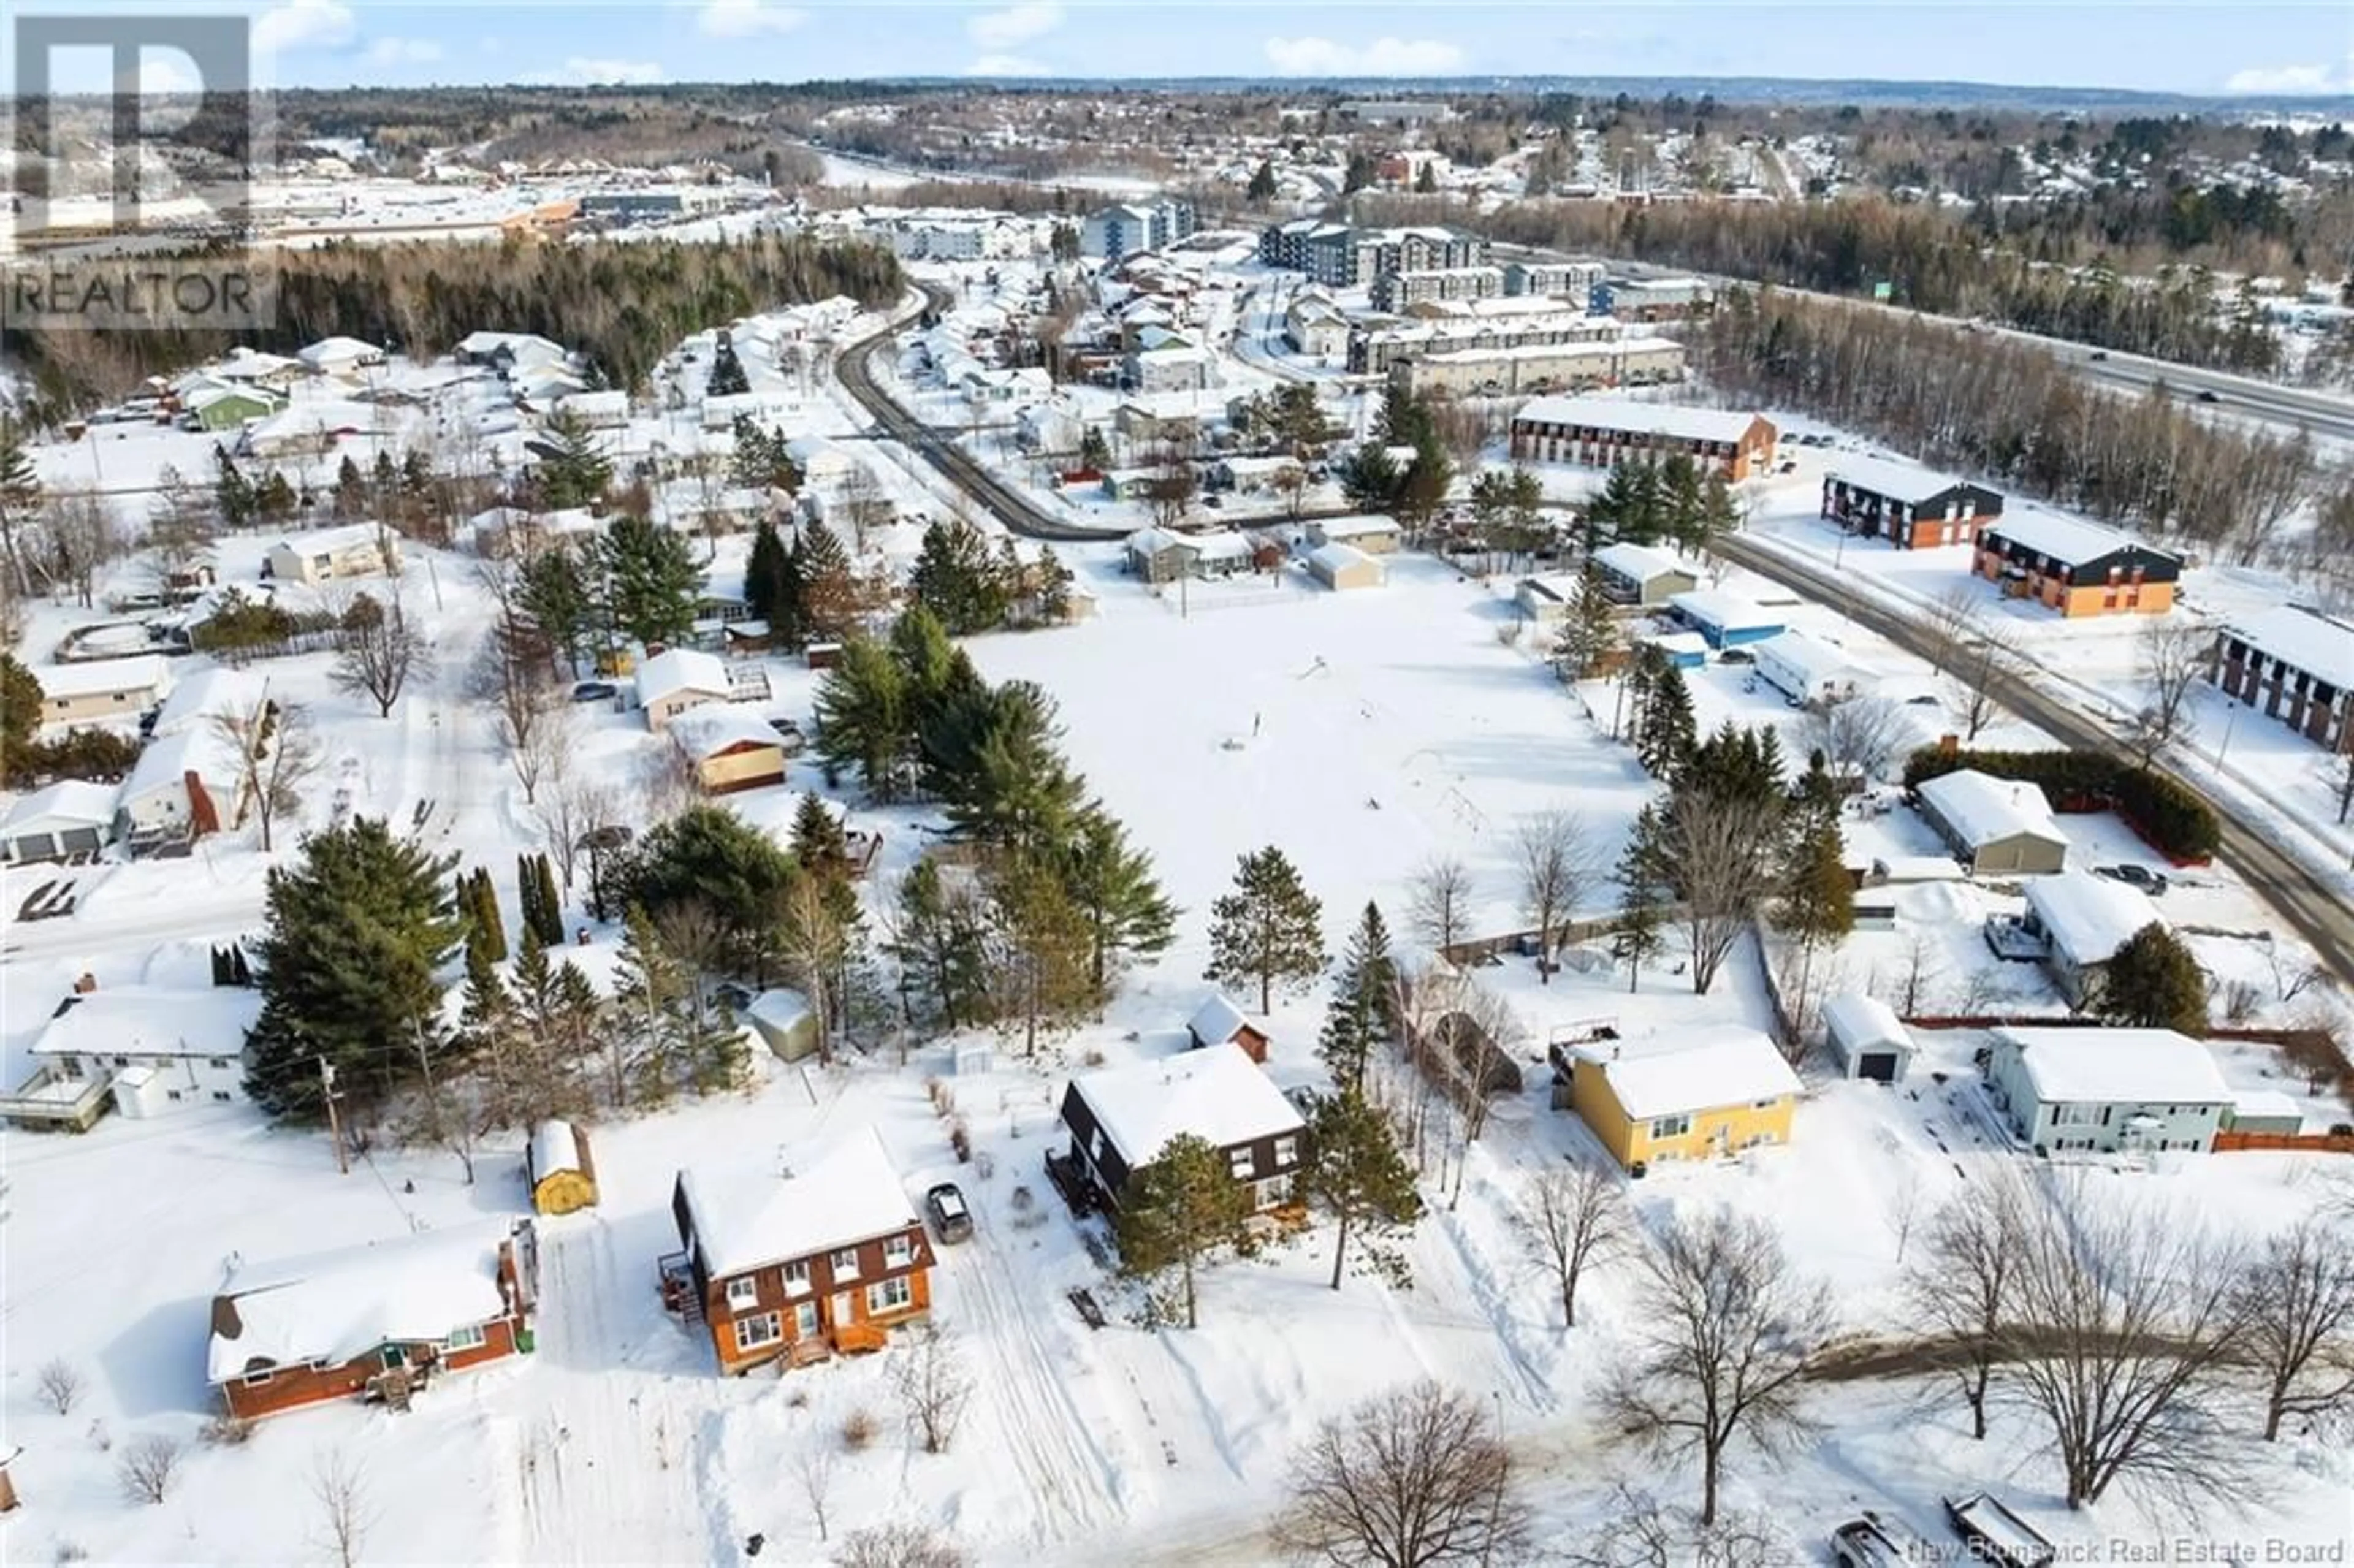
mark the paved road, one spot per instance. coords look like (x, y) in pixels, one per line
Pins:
(2308, 906)
(2288, 408)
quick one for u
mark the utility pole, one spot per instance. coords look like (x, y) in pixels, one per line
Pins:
(334, 1122)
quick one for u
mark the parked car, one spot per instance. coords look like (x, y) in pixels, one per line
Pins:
(1862, 1544)
(594, 692)
(1925, 700)
(1995, 1534)
(2148, 880)
(1736, 656)
(951, 1221)
(2206, 395)
(2098, 355)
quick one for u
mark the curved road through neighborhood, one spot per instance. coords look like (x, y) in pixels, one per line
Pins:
(2304, 901)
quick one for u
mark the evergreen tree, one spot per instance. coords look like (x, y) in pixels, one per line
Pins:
(941, 946)
(547, 902)
(709, 858)
(921, 649)
(817, 840)
(1178, 1211)
(1720, 515)
(351, 490)
(650, 579)
(1818, 905)
(358, 927)
(555, 592)
(1267, 930)
(20, 501)
(2154, 983)
(764, 571)
(1627, 509)
(1363, 1014)
(233, 495)
(559, 1019)
(1095, 453)
(1051, 592)
(573, 468)
(727, 378)
(993, 761)
(1641, 927)
(1261, 189)
(1666, 736)
(528, 898)
(274, 500)
(1371, 480)
(829, 603)
(1039, 952)
(487, 930)
(864, 720)
(1355, 1169)
(957, 580)
(1590, 636)
(1110, 883)
(648, 1052)
(21, 703)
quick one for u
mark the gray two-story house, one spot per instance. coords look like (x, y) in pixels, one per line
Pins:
(2106, 1090)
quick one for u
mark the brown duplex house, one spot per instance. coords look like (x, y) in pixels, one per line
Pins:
(801, 1264)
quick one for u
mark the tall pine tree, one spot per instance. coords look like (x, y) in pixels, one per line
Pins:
(1110, 881)
(1356, 1169)
(1268, 930)
(1363, 1015)
(1178, 1211)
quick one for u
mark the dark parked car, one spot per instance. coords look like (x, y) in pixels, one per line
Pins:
(951, 1221)
(2148, 880)
(594, 692)
(2098, 354)
(2205, 396)
(1924, 701)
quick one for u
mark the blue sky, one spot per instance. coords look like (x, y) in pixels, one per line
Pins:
(2210, 47)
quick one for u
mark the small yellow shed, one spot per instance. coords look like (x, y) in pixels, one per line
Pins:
(562, 1173)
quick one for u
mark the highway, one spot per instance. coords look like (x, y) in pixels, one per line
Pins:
(2275, 876)
(2289, 409)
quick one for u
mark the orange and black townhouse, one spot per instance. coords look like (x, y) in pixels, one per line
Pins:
(801, 1263)
(381, 1321)
(1910, 508)
(2076, 567)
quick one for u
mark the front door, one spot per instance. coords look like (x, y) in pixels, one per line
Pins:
(805, 1322)
(843, 1312)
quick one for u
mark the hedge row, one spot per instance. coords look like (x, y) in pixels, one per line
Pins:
(2176, 822)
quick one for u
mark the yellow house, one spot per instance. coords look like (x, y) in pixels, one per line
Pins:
(1687, 1096)
(729, 749)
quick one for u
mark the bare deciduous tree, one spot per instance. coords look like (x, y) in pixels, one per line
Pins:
(277, 755)
(1724, 1335)
(147, 1467)
(929, 1376)
(901, 1544)
(1577, 1216)
(1975, 653)
(569, 808)
(2170, 655)
(2122, 1323)
(381, 653)
(1409, 1478)
(1724, 869)
(813, 1467)
(1961, 1284)
(77, 535)
(1858, 737)
(2296, 1300)
(1438, 908)
(60, 1384)
(339, 1485)
(1559, 866)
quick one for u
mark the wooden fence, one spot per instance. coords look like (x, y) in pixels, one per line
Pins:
(2310, 1142)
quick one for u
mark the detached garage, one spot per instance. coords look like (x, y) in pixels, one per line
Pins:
(1343, 567)
(72, 817)
(1869, 1041)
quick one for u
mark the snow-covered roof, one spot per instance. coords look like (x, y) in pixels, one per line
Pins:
(1728, 612)
(2088, 918)
(1670, 419)
(1982, 809)
(140, 672)
(1641, 563)
(717, 727)
(336, 540)
(2271, 1103)
(251, 363)
(331, 1309)
(1855, 1020)
(2320, 645)
(312, 419)
(747, 1216)
(67, 803)
(2098, 1066)
(1895, 481)
(1336, 558)
(338, 351)
(1810, 658)
(146, 1021)
(1222, 546)
(1363, 525)
(1688, 643)
(167, 761)
(215, 689)
(779, 1008)
(676, 669)
(1218, 1020)
(1216, 1094)
(522, 345)
(552, 1148)
(1697, 1072)
(594, 405)
(2066, 539)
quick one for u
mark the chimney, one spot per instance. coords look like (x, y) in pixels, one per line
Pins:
(86, 984)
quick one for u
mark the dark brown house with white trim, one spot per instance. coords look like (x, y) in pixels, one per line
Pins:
(1910, 508)
(1120, 1118)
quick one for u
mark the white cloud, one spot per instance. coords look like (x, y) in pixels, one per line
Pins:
(385, 53)
(1382, 57)
(302, 24)
(747, 18)
(581, 71)
(998, 31)
(163, 72)
(2282, 78)
(1007, 65)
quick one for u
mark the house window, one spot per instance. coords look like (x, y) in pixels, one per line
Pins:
(797, 1278)
(1242, 1164)
(1275, 1189)
(845, 1263)
(888, 1296)
(743, 1294)
(898, 1252)
(469, 1338)
(751, 1333)
(256, 1379)
(123, 1061)
(171, 1094)
(1670, 1125)
(221, 1096)
(1287, 1152)
(1096, 1146)
(2076, 1116)
(219, 1064)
